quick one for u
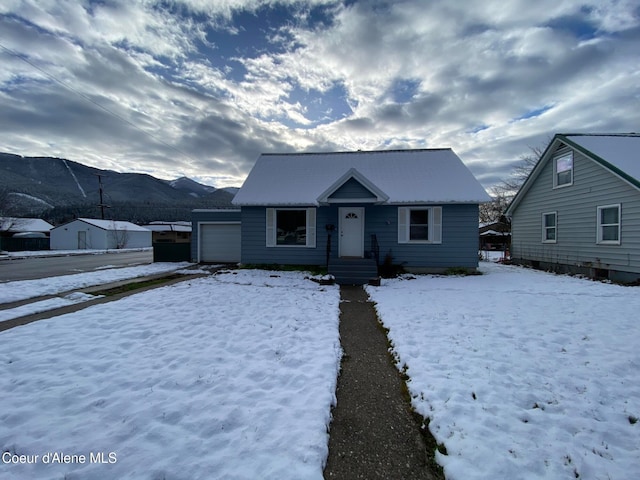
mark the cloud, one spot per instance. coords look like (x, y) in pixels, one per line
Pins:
(200, 88)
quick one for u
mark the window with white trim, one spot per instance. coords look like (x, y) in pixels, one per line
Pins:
(609, 224)
(420, 225)
(291, 227)
(550, 227)
(563, 170)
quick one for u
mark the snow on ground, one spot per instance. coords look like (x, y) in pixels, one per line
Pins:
(46, 305)
(66, 253)
(524, 374)
(228, 376)
(25, 289)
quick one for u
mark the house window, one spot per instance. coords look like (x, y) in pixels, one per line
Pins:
(609, 224)
(420, 225)
(291, 227)
(563, 170)
(549, 227)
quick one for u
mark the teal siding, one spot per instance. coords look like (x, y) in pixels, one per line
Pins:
(352, 189)
(208, 216)
(255, 251)
(459, 247)
(576, 207)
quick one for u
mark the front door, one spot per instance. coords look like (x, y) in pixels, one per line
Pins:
(82, 240)
(351, 232)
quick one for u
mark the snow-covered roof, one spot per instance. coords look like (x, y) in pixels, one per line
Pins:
(112, 225)
(167, 227)
(617, 152)
(393, 176)
(13, 224)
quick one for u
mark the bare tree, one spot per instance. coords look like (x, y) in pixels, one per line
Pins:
(504, 192)
(521, 171)
(121, 236)
(491, 212)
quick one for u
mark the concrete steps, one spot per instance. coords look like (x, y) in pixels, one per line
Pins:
(353, 271)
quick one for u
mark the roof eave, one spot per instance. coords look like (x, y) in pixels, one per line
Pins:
(379, 195)
(621, 173)
(532, 175)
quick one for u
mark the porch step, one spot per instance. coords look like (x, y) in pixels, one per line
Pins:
(356, 271)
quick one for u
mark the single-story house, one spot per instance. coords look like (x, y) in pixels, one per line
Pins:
(88, 233)
(170, 232)
(579, 209)
(495, 236)
(19, 234)
(414, 208)
(9, 226)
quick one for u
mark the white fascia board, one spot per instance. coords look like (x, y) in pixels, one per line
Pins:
(381, 197)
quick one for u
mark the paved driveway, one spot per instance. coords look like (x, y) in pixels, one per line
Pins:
(31, 268)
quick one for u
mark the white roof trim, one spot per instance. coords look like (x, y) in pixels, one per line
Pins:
(380, 196)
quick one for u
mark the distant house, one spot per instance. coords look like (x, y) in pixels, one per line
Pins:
(495, 236)
(87, 233)
(12, 225)
(417, 208)
(170, 232)
(20, 234)
(579, 209)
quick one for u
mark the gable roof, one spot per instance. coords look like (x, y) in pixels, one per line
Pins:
(617, 152)
(110, 224)
(354, 175)
(13, 224)
(392, 176)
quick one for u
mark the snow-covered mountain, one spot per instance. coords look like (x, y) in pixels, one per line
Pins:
(37, 185)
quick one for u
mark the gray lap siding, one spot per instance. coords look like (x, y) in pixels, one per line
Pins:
(459, 247)
(576, 208)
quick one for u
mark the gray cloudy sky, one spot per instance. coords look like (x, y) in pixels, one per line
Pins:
(200, 88)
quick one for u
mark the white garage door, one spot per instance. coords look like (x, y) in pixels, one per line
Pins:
(220, 243)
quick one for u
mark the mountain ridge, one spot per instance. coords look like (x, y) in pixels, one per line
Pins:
(56, 188)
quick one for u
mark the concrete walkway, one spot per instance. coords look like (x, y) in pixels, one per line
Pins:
(373, 432)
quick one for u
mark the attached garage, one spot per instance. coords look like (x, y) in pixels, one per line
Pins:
(216, 236)
(219, 242)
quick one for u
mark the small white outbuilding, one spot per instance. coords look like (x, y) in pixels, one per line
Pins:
(88, 233)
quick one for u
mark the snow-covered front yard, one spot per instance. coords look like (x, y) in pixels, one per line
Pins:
(230, 376)
(525, 374)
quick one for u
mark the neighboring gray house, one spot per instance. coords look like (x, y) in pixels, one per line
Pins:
(88, 233)
(349, 209)
(579, 209)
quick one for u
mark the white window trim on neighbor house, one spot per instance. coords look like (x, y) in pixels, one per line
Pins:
(556, 173)
(271, 227)
(434, 225)
(546, 229)
(600, 226)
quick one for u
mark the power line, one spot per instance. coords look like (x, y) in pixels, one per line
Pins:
(89, 99)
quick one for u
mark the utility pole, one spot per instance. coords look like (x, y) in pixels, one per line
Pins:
(101, 204)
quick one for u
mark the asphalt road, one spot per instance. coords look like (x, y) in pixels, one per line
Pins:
(30, 268)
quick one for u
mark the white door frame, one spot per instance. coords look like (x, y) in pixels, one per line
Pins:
(352, 247)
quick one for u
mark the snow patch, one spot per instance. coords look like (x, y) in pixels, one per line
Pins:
(228, 376)
(524, 374)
